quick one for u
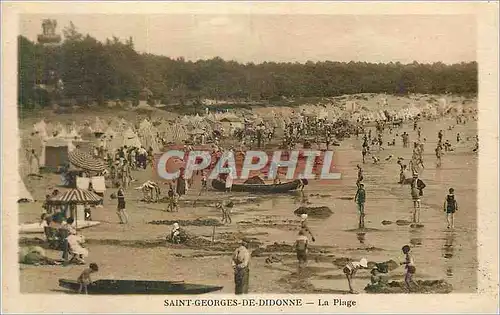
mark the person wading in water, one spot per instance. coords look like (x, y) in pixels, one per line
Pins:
(301, 249)
(360, 199)
(450, 207)
(417, 186)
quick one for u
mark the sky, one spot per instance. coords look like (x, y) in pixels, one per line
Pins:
(283, 38)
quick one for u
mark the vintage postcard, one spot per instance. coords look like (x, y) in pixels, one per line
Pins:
(248, 157)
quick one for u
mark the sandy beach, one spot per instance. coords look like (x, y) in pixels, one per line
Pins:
(139, 251)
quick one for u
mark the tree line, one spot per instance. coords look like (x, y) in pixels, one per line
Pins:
(94, 71)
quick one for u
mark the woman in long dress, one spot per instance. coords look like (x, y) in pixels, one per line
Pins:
(75, 246)
(229, 181)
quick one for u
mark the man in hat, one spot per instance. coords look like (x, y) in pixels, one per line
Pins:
(304, 227)
(417, 186)
(240, 263)
(351, 268)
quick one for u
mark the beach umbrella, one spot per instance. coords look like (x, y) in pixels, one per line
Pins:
(76, 196)
(86, 161)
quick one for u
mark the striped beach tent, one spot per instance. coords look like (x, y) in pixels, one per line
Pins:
(76, 196)
(178, 133)
(86, 161)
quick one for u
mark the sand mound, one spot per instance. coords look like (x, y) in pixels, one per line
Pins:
(317, 212)
(416, 225)
(423, 286)
(403, 222)
(197, 222)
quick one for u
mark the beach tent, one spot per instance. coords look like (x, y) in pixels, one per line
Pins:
(40, 128)
(176, 133)
(147, 135)
(130, 139)
(55, 153)
(23, 194)
(87, 134)
(98, 125)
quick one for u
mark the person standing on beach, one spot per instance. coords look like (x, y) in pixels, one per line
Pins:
(229, 180)
(204, 186)
(67, 230)
(301, 248)
(404, 137)
(34, 162)
(173, 199)
(240, 263)
(450, 207)
(360, 199)
(360, 175)
(122, 213)
(417, 186)
(440, 136)
(439, 154)
(226, 213)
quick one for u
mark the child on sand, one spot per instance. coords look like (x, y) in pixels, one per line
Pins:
(351, 268)
(409, 266)
(84, 278)
(175, 234)
(450, 207)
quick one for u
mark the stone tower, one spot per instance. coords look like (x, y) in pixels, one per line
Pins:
(49, 36)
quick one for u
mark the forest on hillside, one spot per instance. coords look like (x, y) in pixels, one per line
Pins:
(94, 71)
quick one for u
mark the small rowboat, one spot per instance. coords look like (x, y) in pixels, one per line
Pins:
(261, 188)
(106, 286)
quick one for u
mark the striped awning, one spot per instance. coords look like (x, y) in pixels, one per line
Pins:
(86, 161)
(76, 196)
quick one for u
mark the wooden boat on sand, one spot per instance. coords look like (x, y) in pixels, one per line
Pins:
(114, 287)
(261, 188)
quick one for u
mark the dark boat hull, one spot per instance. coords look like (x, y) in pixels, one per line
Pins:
(140, 287)
(258, 188)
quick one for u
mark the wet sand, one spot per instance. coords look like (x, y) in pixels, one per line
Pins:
(138, 250)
